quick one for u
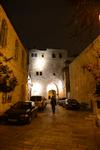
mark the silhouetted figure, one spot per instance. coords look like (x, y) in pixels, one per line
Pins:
(53, 104)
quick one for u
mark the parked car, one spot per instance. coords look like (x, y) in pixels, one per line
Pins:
(62, 101)
(21, 112)
(72, 104)
(40, 101)
(84, 106)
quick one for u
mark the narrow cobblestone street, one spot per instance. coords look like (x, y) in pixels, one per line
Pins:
(65, 130)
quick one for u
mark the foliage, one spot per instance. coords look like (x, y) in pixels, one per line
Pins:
(94, 69)
(8, 81)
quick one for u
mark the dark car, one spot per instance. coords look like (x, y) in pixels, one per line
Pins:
(21, 112)
(40, 101)
(72, 104)
(62, 101)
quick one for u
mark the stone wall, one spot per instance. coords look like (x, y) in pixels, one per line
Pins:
(16, 60)
(85, 73)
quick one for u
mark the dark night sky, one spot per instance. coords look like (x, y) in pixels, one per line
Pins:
(54, 23)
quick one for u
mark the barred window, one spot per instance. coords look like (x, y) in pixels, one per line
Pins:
(3, 33)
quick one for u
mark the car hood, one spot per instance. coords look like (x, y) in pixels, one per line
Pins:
(15, 112)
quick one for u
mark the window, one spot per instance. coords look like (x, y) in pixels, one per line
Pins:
(42, 55)
(23, 59)
(3, 33)
(34, 54)
(37, 73)
(40, 73)
(98, 103)
(60, 55)
(53, 55)
(16, 49)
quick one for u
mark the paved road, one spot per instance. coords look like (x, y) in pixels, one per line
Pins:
(65, 130)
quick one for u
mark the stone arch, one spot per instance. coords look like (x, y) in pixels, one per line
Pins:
(52, 90)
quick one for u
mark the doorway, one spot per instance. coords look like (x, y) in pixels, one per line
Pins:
(51, 93)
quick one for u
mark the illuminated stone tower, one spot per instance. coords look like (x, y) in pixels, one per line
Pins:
(46, 71)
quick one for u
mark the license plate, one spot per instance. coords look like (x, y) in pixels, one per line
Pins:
(13, 120)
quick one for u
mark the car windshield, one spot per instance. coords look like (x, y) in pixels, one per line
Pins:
(22, 105)
(36, 98)
(72, 100)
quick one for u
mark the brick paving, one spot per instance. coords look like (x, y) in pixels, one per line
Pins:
(65, 130)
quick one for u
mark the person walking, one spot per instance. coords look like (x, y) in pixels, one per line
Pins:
(53, 104)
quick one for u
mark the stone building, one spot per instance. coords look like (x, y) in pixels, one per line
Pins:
(46, 71)
(85, 76)
(13, 65)
(67, 76)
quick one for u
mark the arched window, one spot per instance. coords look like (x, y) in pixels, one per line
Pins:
(3, 33)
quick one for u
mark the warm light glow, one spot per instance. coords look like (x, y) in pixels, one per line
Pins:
(29, 80)
(36, 89)
(60, 85)
(99, 17)
(51, 87)
(39, 64)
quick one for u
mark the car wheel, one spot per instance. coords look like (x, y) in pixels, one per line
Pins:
(42, 108)
(5, 119)
(29, 119)
(35, 114)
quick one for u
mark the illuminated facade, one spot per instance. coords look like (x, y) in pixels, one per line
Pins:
(46, 71)
(13, 65)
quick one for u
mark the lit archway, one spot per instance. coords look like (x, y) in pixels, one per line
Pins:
(52, 90)
(58, 87)
(51, 93)
(51, 86)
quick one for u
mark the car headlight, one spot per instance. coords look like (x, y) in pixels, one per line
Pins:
(28, 110)
(66, 102)
(24, 115)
